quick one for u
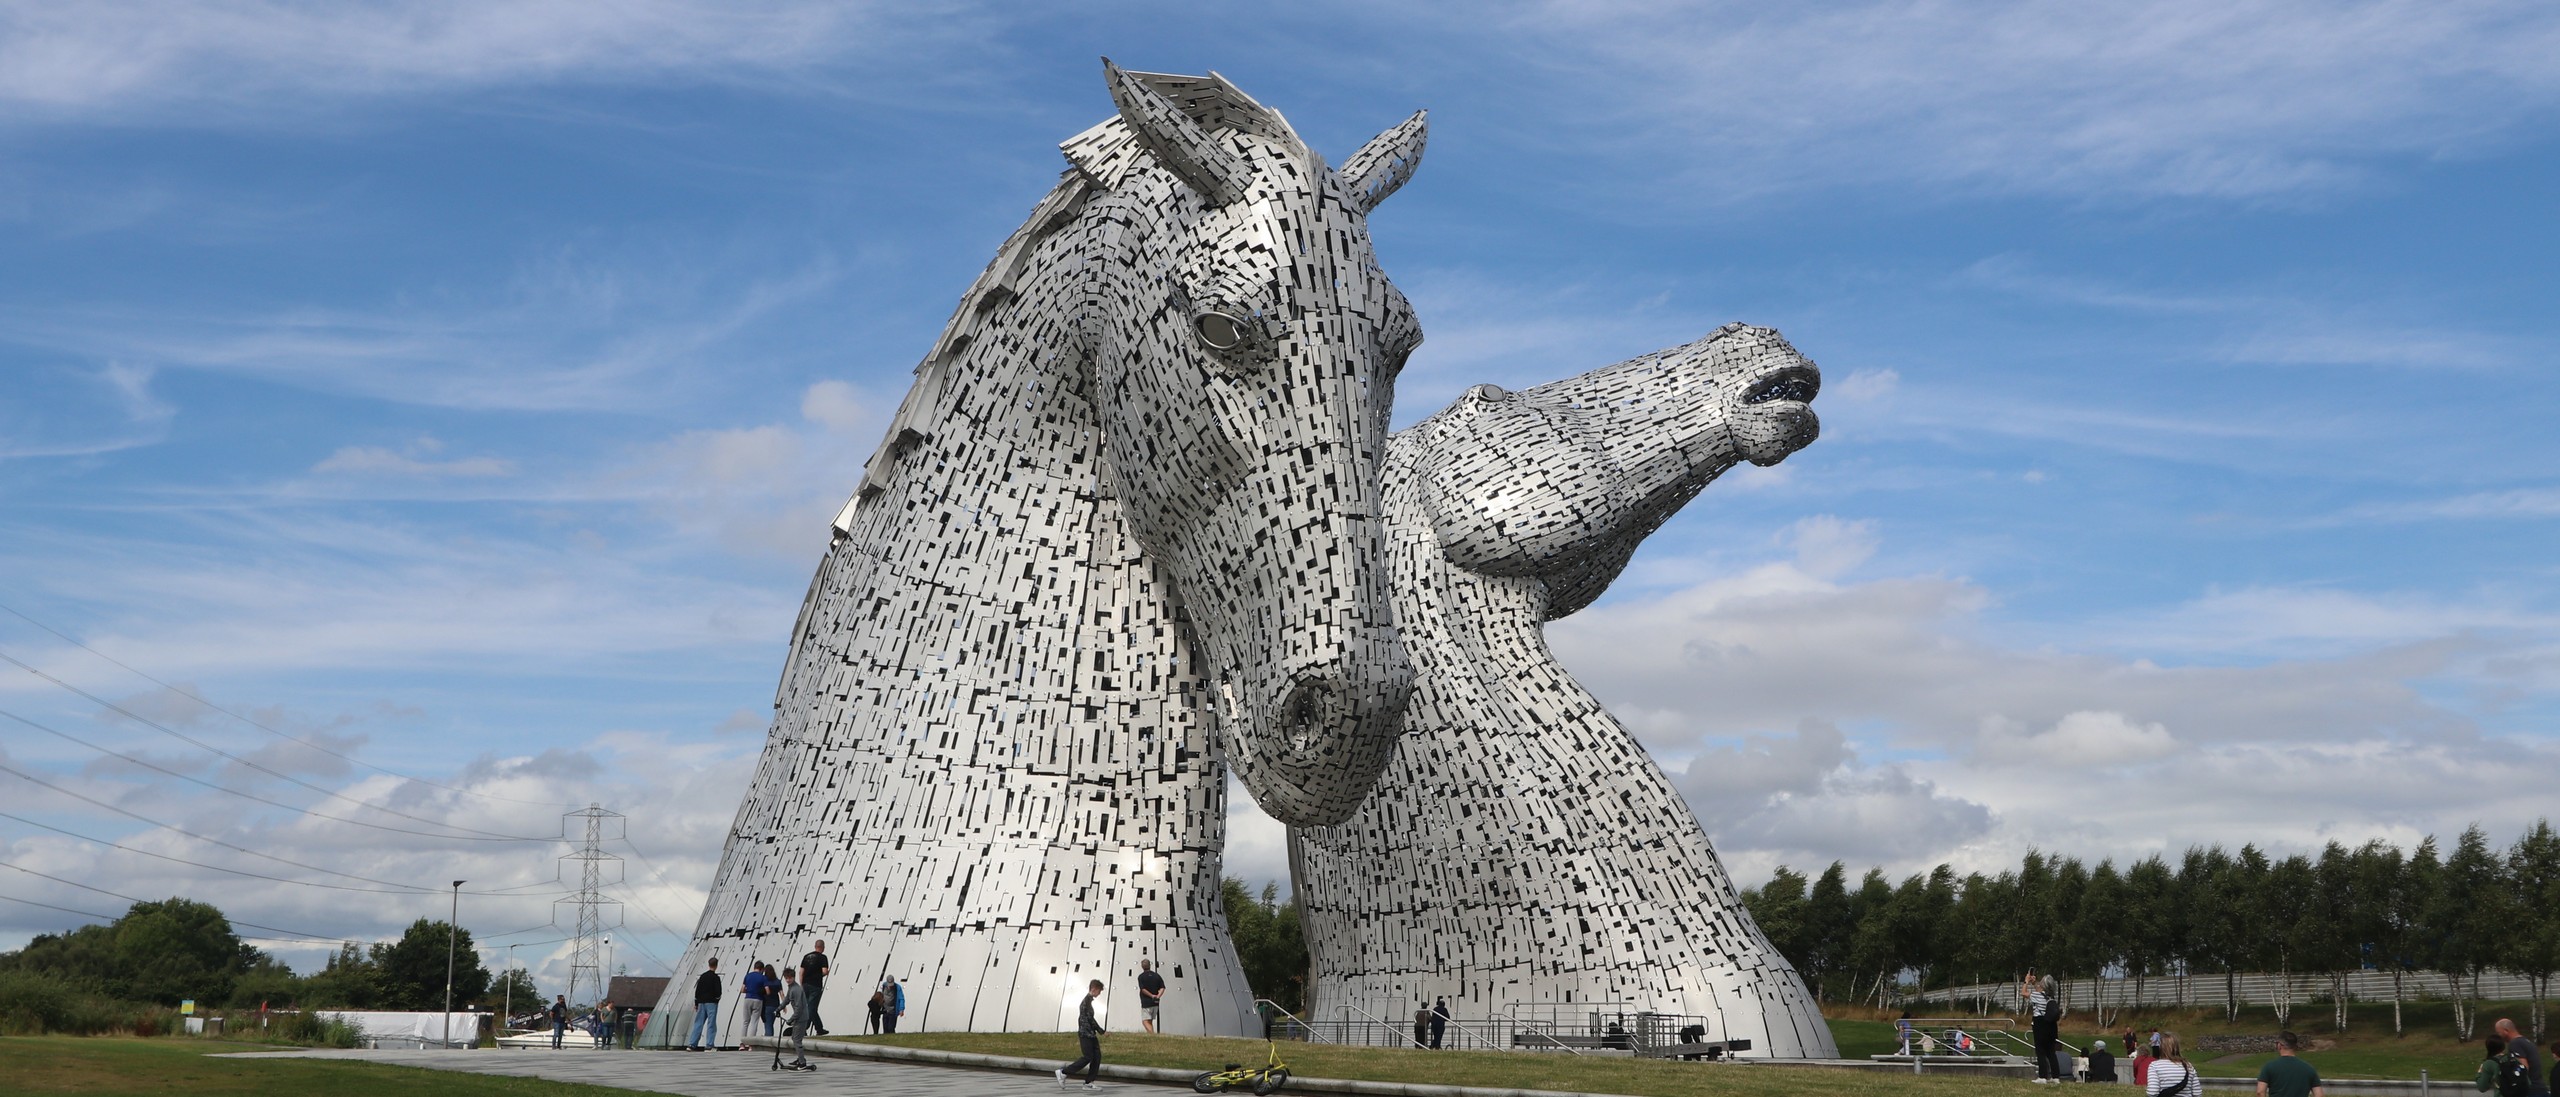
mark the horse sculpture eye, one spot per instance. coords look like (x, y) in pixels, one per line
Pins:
(1220, 331)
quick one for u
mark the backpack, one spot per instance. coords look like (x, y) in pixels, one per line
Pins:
(2515, 1076)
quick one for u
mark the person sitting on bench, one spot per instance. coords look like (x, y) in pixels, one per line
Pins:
(2102, 1063)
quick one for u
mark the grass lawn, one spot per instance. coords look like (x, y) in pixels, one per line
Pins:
(1526, 1070)
(114, 1066)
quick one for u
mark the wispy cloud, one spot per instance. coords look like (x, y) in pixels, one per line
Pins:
(2534, 502)
(2252, 99)
(232, 57)
(561, 339)
(415, 460)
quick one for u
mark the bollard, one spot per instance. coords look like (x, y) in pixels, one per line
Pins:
(2422, 1082)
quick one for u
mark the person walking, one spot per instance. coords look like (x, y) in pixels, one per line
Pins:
(603, 1028)
(1088, 1040)
(893, 1004)
(2046, 1012)
(751, 997)
(1421, 1026)
(2536, 1082)
(2171, 1074)
(2486, 1078)
(706, 1008)
(772, 997)
(813, 983)
(2287, 1075)
(795, 1001)
(1439, 1020)
(558, 1015)
(1150, 996)
(879, 1008)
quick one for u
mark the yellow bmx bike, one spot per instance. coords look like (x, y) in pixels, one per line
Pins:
(1265, 1079)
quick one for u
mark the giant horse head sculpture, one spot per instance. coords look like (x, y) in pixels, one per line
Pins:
(1243, 347)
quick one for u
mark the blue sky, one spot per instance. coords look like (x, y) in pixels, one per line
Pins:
(466, 388)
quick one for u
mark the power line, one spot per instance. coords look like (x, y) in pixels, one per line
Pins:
(131, 899)
(219, 868)
(65, 910)
(58, 734)
(192, 696)
(33, 779)
(201, 744)
(645, 908)
(200, 864)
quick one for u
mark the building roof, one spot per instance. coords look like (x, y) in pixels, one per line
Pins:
(635, 990)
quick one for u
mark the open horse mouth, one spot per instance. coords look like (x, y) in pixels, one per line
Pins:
(1773, 417)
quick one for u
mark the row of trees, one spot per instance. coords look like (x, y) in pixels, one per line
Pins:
(174, 950)
(2208, 913)
(1270, 943)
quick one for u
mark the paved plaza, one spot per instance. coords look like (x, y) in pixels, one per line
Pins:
(719, 1073)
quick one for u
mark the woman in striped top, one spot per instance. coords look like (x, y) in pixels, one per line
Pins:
(2172, 1075)
(2045, 1012)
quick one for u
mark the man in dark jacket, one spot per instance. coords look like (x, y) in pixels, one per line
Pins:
(1088, 1040)
(706, 1009)
(813, 982)
(1439, 1021)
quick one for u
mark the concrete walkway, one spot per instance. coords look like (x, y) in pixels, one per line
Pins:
(715, 1073)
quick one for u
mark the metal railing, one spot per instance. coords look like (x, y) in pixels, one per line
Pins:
(1992, 1038)
(2208, 988)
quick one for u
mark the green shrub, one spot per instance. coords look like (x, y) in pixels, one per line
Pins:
(312, 1030)
(33, 1004)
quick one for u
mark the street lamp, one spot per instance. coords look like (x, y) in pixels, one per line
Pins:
(504, 1019)
(452, 930)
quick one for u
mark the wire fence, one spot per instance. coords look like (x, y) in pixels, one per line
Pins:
(2246, 989)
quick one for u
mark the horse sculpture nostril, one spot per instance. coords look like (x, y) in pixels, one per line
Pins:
(1312, 712)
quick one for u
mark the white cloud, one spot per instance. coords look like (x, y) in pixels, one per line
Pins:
(1827, 546)
(2165, 97)
(2231, 717)
(380, 461)
(680, 793)
(2535, 502)
(69, 59)
(564, 337)
(768, 489)
(1864, 385)
(836, 405)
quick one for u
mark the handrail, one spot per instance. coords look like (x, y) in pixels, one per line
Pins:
(1312, 1036)
(1520, 1029)
(1398, 1030)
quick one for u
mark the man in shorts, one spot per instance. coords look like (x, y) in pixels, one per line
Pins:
(1150, 996)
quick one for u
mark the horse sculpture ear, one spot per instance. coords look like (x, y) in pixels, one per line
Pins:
(1385, 162)
(1190, 152)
